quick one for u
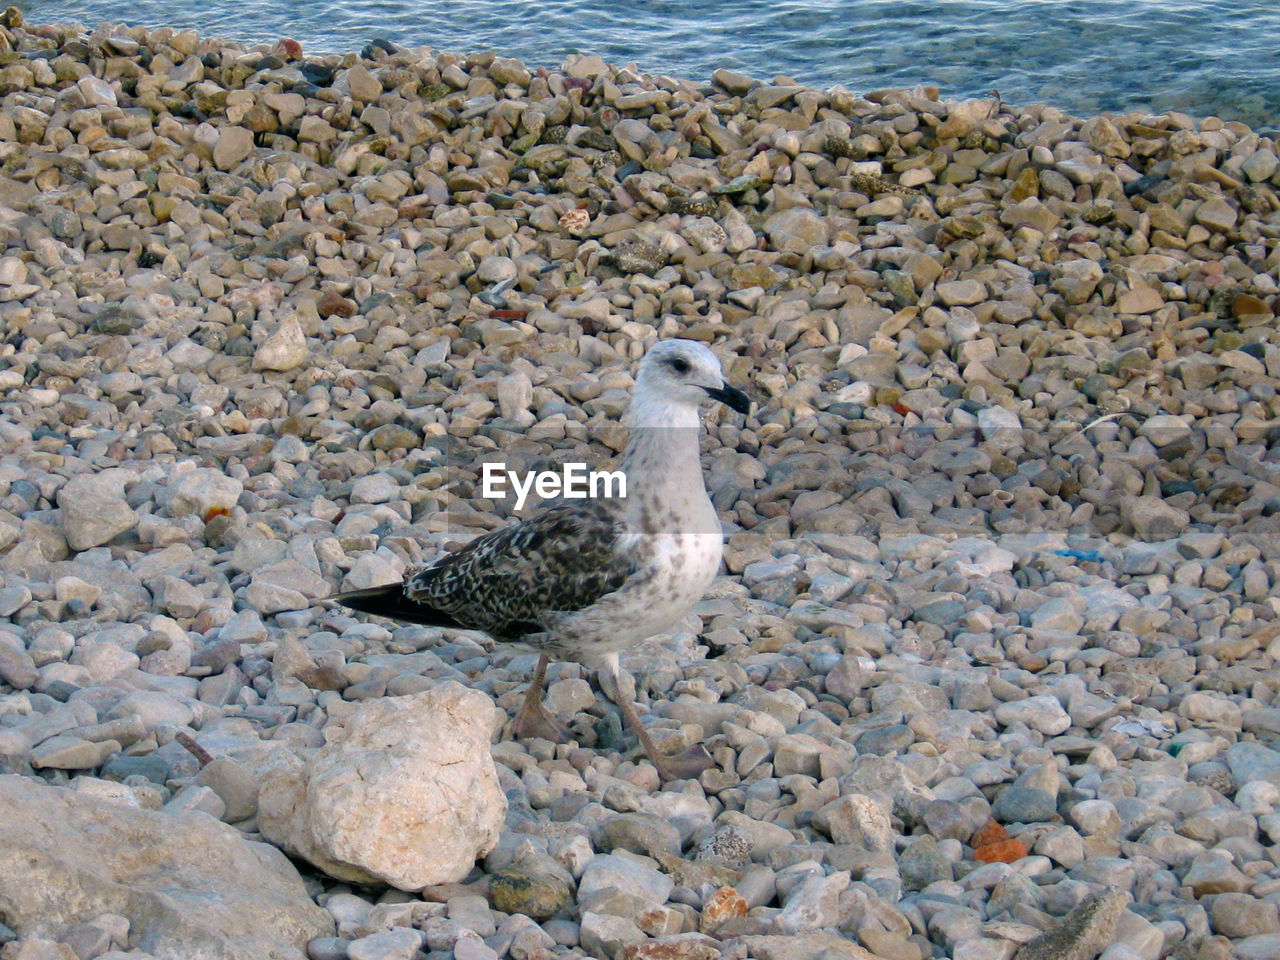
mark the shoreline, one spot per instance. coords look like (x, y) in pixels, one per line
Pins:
(1052, 64)
(993, 656)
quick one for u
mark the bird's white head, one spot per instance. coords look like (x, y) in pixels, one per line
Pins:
(677, 374)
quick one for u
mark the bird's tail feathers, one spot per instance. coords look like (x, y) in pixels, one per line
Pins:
(389, 601)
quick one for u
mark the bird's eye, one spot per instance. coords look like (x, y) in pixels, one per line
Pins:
(679, 364)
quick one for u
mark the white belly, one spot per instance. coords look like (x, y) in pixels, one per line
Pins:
(675, 571)
(684, 566)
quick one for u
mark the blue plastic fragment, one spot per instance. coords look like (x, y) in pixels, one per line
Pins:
(1079, 554)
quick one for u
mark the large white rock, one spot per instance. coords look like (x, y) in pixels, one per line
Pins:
(404, 792)
(94, 509)
(284, 349)
(191, 887)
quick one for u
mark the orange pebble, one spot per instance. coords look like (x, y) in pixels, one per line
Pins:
(1002, 851)
(725, 904)
(989, 832)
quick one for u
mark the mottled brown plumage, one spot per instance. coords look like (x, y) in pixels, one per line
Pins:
(560, 560)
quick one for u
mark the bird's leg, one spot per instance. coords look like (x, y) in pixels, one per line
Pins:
(683, 766)
(534, 720)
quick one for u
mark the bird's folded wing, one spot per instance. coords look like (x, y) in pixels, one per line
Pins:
(506, 583)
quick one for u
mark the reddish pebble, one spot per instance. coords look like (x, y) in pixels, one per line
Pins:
(508, 314)
(901, 408)
(678, 948)
(1003, 851)
(989, 832)
(289, 48)
(725, 904)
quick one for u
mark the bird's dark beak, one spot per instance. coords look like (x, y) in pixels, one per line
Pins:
(732, 396)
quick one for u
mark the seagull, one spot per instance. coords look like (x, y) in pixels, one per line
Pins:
(584, 579)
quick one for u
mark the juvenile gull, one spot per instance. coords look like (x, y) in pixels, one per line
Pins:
(583, 579)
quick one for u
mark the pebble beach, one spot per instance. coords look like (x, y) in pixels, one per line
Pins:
(990, 673)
